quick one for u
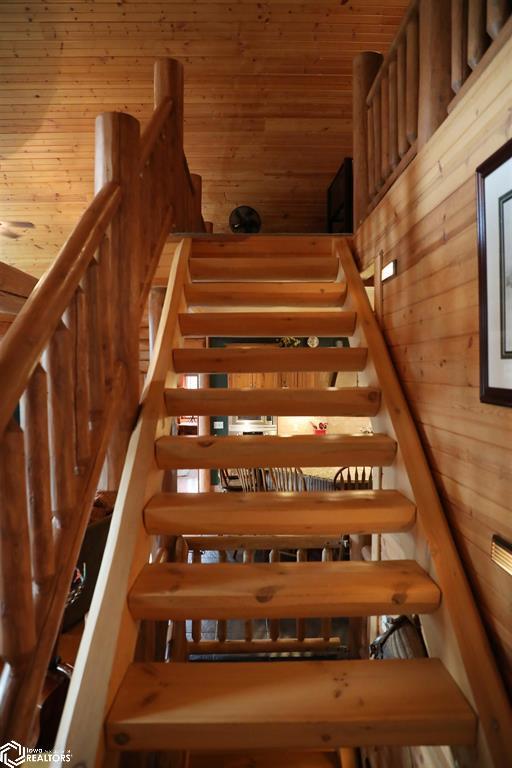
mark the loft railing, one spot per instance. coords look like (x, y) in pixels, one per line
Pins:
(70, 380)
(401, 99)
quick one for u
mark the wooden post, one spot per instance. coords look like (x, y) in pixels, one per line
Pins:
(401, 79)
(435, 90)
(34, 419)
(384, 105)
(477, 35)
(370, 149)
(117, 159)
(377, 130)
(412, 68)
(169, 84)
(365, 67)
(498, 12)
(18, 626)
(460, 68)
(393, 114)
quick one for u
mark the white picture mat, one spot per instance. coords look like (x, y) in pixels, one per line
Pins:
(497, 184)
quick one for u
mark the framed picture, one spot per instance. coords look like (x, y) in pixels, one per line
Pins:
(494, 211)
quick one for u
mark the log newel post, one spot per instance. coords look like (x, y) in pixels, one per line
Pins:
(435, 91)
(117, 159)
(365, 67)
(169, 84)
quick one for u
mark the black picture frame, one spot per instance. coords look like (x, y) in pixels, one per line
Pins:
(492, 267)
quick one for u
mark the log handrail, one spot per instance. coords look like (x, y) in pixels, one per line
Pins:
(29, 334)
(69, 367)
(485, 681)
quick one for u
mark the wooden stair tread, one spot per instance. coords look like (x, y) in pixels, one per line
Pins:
(264, 759)
(181, 591)
(271, 294)
(236, 268)
(333, 324)
(257, 359)
(260, 245)
(279, 513)
(277, 705)
(351, 401)
(271, 451)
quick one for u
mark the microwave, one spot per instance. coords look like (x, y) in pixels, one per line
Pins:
(248, 422)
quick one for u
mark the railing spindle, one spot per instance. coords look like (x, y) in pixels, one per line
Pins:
(393, 114)
(384, 96)
(401, 80)
(477, 34)
(326, 622)
(95, 341)
(460, 68)
(196, 623)
(221, 623)
(435, 87)
(498, 12)
(377, 131)
(370, 158)
(248, 557)
(412, 78)
(301, 624)
(364, 69)
(61, 417)
(274, 628)
(34, 420)
(82, 398)
(105, 304)
(18, 621)
(179, 647)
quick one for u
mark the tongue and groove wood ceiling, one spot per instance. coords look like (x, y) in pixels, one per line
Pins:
(267, 103)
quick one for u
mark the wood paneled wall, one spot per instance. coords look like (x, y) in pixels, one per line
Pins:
(427, 221)
(267, 102)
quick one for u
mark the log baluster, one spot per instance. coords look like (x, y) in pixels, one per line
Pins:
(435, 88)
(179, 645)
(196, 623)
(105, 304)
(59, 358)
(384, 97)
(18, 618)
(460, 68)
(274, 628)
(82, 395)
(365, 68)
(412, 78)
(34, 420)
(401, 79)
(301, 624)
(393, 114)
(478, 41)
(326, 622)
(498, 12)
(370, 150)
(377, 133)
(221, 623)
(248, 557)
(95, 342)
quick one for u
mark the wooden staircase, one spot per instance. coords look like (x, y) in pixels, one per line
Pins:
(277, 709)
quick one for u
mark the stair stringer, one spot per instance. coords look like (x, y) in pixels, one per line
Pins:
(110, 636)
(438, 629)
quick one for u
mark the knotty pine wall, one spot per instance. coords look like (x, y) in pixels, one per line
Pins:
(267, 102)
(427, 221)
